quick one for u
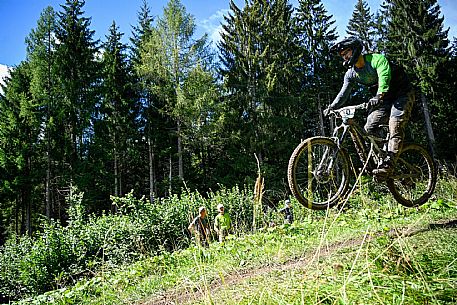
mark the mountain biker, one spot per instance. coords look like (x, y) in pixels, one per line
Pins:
(393, 94)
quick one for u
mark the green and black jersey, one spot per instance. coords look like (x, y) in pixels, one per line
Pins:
(377, 72)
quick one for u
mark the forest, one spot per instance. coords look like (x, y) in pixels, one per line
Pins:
(170, 112)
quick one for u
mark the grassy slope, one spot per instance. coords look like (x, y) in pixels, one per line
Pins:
(375, 252)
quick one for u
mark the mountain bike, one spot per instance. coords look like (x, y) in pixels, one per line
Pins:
(320, 168)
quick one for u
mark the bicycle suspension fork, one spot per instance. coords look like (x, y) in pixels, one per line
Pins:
(329, 156)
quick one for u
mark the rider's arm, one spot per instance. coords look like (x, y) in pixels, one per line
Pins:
(380, 63)
(343, 95)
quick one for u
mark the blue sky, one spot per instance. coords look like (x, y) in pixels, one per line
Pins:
(18, 17)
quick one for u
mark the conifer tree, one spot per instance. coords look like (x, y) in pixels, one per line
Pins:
(320, 68)
(78, 66)
(118, 111)
(417, 41)
(380, 26)
(41, 45)
(151, 119)
(20, 124)
(260, 65)
(362, 25)
(141, 31)
(168, 56)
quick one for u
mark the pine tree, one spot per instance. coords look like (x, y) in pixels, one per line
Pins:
(118, 110)
(362, 25)
(260, 65)
(317, 34)
(41, 45)
(76, 57)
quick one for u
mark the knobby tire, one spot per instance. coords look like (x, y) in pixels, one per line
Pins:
(414, 178)
(314, 188)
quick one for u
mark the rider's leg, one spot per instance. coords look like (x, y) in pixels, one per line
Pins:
(399, 116)
(376, 118)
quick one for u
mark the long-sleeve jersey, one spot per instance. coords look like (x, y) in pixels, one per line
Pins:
(377, 71)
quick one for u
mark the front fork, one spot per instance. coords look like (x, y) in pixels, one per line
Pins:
(329, 156)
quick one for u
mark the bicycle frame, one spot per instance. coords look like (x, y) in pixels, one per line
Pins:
(366, 145)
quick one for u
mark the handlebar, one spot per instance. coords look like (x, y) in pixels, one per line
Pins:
(348, 111)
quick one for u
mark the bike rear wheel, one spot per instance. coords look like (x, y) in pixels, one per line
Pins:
(414, 177)
(318, 173)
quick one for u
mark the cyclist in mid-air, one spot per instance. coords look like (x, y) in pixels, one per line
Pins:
(393, 94)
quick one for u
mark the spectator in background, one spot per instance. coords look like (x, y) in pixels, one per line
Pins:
(200, 228)
(222, 223)
(287, 211)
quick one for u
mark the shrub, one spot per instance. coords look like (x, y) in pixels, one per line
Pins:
(59, 256)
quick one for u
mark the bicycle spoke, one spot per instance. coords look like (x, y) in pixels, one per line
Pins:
(414, 178)
(319, 173)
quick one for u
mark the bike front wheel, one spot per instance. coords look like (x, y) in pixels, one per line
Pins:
(318, 173)
(414, 177)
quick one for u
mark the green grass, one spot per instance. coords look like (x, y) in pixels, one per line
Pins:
(373, 252)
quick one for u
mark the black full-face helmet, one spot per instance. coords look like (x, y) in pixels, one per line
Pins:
(349, 43)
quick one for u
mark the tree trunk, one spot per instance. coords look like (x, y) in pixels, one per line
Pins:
(428, 125)
(116, 179)
(116, 174)
(26, 196)
(151, 170)
(169, 175)
(180, 161)
(321, 117)
(48, 182)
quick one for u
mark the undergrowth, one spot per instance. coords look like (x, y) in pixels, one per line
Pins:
(369, 251)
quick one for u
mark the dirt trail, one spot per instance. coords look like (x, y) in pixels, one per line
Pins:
(184, 295)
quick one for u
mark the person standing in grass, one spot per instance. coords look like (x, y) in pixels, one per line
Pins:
(287, 211)
(222, 223)
(200, 227)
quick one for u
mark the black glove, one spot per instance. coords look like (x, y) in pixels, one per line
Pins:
(327, 111)
(375, 102)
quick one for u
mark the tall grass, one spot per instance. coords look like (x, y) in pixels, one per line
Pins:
(58, 257)
(372, 252)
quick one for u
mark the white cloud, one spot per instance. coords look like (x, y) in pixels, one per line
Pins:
(212, 25)
(3, 73)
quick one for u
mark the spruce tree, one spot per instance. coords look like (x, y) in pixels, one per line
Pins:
(416, 39)
(20, 128)
(41, 45)
(78, 66)
(152, 122)
(444, 107)
(319, 67)
(118, 113)
(260, 65)
(141, 31)
(362, 25)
